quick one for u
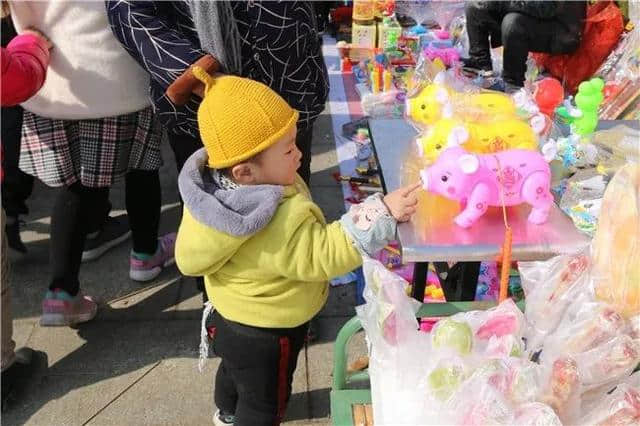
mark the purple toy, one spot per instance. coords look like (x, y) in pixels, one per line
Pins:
(476, 181)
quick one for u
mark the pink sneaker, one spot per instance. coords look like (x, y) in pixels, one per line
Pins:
(147, 270)
(59, 308)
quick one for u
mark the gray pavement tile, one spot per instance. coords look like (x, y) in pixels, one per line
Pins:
(68, 399)
(172, 393)
(155, 301)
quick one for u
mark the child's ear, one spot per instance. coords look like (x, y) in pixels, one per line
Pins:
(243, 174)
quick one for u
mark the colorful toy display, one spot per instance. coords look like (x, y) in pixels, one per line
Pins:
(478, 181)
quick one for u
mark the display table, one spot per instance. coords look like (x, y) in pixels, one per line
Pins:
(434, 237)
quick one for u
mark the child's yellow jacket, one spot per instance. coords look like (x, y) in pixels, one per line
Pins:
(266, 252)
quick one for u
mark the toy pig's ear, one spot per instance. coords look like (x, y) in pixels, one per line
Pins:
(441, 95)
(469, 163)
(457, 136)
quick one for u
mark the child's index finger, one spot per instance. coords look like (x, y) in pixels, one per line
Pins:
(407, 190)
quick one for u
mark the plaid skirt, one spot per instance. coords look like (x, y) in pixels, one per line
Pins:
(93, 152)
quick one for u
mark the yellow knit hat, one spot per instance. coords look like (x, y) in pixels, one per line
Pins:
(239, 118)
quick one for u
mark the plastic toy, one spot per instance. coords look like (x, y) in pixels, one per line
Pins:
(437, 101)
(448, 55)
(453, 334)
(480, 138)
(493, 104)
(548, 95)
(584, 117)
(478, 181)
(426, 107)
(502, 135)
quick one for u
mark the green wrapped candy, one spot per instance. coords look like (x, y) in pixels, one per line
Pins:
(453, 334)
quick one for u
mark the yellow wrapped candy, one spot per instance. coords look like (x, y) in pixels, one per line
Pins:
(616, 245)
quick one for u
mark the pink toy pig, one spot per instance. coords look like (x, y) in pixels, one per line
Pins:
(476, 181)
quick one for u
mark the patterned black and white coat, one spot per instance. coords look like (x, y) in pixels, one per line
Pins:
(280, 48)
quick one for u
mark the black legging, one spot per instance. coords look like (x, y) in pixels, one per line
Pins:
(79, 209)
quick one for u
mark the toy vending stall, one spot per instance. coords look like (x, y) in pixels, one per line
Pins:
(567, 357)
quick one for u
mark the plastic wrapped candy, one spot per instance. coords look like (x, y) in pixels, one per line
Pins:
(597, 339)
(453, 334)
(494, 330)
(562, 389)
(447, 376)
(477, 403)
(608, 363)
(585, 326)
(550, 287)
(620, 408)
(616, 245)
(536, 414)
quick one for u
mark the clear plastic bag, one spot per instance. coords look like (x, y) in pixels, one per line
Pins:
(585, 326)
(550, 287)
(620, 408)
(396, 365)
(616, 245)
(582, 201)
(536, 414)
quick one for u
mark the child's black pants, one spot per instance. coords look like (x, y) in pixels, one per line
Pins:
(254, 378)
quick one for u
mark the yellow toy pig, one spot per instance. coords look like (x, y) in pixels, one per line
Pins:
(493, 104)
(480, 138)
(426, 107)
(439, 137)
(501, 135)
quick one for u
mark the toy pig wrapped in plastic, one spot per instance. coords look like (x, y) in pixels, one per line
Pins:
(479, 181)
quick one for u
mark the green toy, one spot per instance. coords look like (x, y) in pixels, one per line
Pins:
(584, 117)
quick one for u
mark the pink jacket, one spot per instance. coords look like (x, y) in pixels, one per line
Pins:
(24, 68)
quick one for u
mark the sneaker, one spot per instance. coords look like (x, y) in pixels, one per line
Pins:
(114, 231)
(510, 89)
(59, 308)
(12, 230)
(148, 269)
(220, 418)
(482, 68)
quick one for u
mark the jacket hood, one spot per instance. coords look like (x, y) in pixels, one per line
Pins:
(238, 212)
